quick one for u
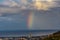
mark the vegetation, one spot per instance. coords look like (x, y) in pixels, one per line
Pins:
(54, 36)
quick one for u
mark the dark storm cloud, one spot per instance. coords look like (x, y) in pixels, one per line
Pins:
(47, 19)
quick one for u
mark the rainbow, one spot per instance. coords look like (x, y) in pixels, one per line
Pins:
(30, 20)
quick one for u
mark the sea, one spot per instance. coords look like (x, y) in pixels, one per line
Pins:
(18, 33)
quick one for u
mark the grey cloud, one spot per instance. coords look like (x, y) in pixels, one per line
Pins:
(6, 19)
(28, 4)
(47, 19)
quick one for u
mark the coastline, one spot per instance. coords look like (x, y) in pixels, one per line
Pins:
(30, 36)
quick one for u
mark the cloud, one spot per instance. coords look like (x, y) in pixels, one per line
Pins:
(6, 19)
(11, 6)
(44, 5)
(46, 20)
(42, 20)
(9, 3)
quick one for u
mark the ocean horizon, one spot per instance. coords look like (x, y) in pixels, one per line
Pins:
(18, 33)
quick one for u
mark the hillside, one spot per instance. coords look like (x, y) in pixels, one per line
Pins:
(54, 36)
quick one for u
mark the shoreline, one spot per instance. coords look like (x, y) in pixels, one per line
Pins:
(43, 37)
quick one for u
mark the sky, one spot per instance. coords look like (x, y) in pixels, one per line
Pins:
(29, 15)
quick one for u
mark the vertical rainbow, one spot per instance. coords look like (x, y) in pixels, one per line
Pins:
(30, 20)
